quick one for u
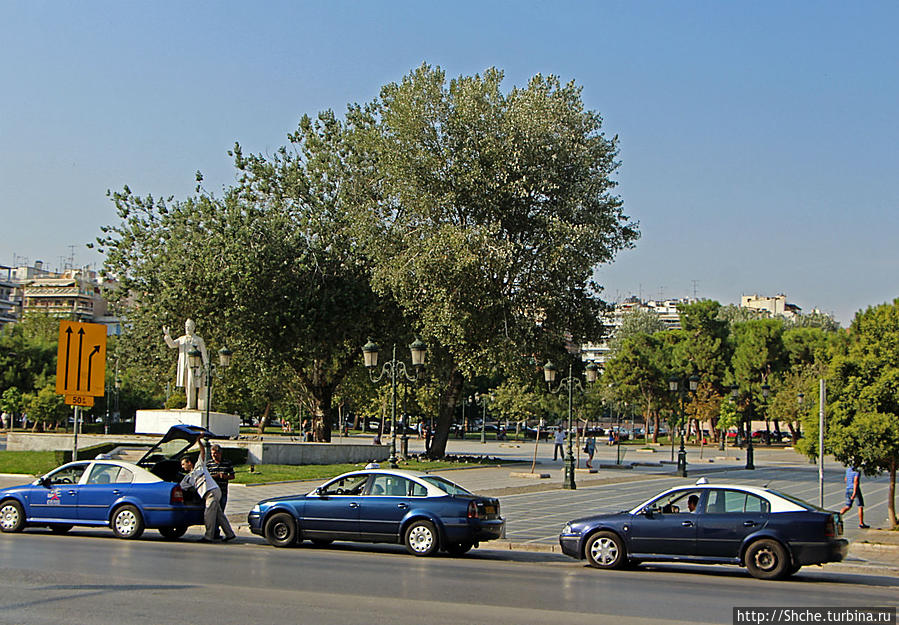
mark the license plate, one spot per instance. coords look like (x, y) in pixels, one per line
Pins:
(490, 509)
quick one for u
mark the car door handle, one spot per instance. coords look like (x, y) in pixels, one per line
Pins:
(687, 523)
(402, 506)
(353, 504)
(71, 492)
(117, 492)
(748, 523)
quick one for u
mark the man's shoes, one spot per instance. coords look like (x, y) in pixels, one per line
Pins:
(206, 540)
(863, 526)
(228, 539)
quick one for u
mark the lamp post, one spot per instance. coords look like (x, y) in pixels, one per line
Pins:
(483, 400)
(765, 391)
(209, 371)
(675, 387)
(393, 368)
(571, 382)
(747, 425)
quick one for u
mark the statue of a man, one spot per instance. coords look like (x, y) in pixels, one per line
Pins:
(185, 375)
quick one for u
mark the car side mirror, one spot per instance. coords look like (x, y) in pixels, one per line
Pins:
(45, 482)
(320, 491)
(648, 512)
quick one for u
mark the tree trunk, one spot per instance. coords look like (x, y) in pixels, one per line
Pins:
(448, 401)
(263, 420)
(891, 501)
(322, 413)
(655, 427)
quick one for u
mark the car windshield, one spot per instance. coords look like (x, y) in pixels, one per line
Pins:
(799, 502)
(445, 485)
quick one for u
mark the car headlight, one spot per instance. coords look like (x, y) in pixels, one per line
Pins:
(256, 509)
(567, 529)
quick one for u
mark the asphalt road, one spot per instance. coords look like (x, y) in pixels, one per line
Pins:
(90, 577)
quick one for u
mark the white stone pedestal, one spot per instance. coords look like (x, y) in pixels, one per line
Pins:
(159, 421)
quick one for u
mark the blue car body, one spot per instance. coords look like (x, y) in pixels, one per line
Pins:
(382, 506)
(769, 532)
(110, 493)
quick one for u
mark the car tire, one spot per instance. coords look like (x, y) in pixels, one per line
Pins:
(173, 533)
(421, 538)
(281, 530)
(60, 528)
(459, 549)
(321, 542)
(127, 522)
(12, 516)
(794, 568)
(605, 550)
(767, 559)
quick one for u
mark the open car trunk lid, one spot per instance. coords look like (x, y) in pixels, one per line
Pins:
(164, 458)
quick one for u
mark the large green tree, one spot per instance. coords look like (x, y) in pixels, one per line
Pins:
(490, 211)
(272, 269)
(865, 412)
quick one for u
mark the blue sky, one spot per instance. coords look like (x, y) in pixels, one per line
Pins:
(759, 144)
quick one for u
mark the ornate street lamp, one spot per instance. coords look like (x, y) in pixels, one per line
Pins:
(394, 368)
(765, 391)
(675, 387)
(571, 382)
(747, 425)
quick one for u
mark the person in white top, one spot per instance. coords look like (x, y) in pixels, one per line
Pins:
(559, 450)
(198, 477)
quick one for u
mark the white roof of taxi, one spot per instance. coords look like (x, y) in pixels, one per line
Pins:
(141, 475)
(778, 503)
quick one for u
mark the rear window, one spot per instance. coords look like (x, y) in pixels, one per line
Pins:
(799, 502)
(445, 485)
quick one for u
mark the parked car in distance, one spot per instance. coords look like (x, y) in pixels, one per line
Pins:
(424, 512)
(103, 492)
(769, 532)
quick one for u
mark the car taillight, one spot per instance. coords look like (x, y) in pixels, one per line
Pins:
(472, 510)
(177, 495)
(829, 528)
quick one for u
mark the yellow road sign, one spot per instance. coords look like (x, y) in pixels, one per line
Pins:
(85, 401)
(81, 360)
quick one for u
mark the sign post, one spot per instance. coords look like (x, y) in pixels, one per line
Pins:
(81, 367)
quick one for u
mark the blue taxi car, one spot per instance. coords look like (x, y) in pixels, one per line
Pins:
(127, 497)
(424, 512)
(769, 532)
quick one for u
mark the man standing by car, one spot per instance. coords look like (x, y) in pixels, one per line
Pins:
(198, 477)
(854, 493)
(222, 471)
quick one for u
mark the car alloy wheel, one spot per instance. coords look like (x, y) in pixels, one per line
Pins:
(605, 551)
(12, 517)
(421, 538)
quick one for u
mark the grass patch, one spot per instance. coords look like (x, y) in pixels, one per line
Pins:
(263, 473)
(28, 462)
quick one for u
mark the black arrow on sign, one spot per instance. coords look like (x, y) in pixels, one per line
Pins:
(68, 341)
(96, 350)
(80, 342)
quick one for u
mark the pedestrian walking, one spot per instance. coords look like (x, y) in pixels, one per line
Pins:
(590, 449)
(559, 440)
(854, 494)
(198, 478)
(428, 438)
